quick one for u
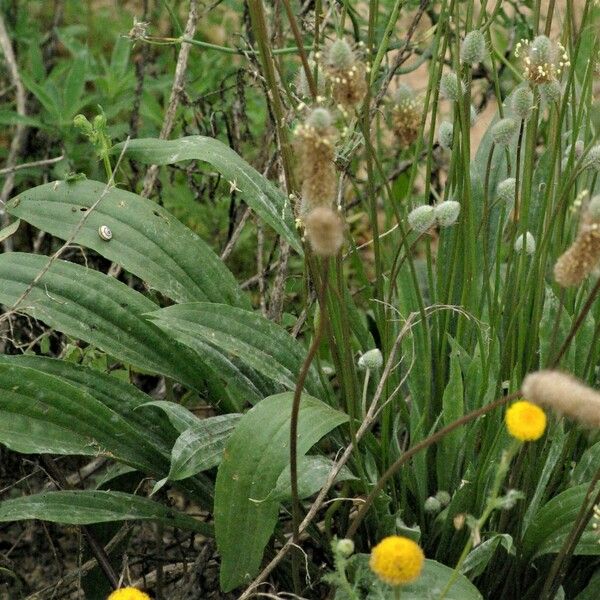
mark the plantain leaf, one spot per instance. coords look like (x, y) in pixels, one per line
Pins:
(60, 408)
(255, 456)
(261, 344)
(85, 507)
(312, 475)
(180, 417)
(146, 239)
(103, 312)
(258, 192)
(553, 522)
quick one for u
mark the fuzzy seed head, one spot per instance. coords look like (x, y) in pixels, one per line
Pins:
(302, 87)
(421, 218)
(503, 131)
(506, 190)
(472, 51)
(564, 394)
(446, 213)
(372, 359)
(525, 242)
(340, 55)
(446, 135)
(583, 256)
(325, 231)
(522, 102)
(451, 87)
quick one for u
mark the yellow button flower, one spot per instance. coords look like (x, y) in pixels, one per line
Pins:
(526, 421)
(128, 593)
(397, 560)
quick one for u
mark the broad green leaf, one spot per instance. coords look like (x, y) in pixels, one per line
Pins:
(9, 230)
(587, 465)
(261, 344)
(431, 582)
(180, 417)
(101, 311)
(41, 413)
(478, 559)
(258, 192)
(255, 456)
(147, 240)
(312, 475)
(553, 522)
(86, 507)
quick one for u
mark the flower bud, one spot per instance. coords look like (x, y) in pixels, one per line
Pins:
(506, 190)
(446, 135)
(443, 497)
(421, 218)
(526, 243)
(522, 102)
(340, 55)
(345, 547)
(372, 359)
(446, 212)
(503, 131)
(432, 505)
(472, 51)
(449, 86)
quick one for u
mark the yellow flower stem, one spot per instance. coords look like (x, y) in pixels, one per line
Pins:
(505, 461)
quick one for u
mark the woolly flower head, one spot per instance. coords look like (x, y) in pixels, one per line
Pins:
(397, 560)
(128, 593)
(446, 134)
(525, 421)
(522, 102)
(301, 83)
(421, 218)
(406, 115)
(525, 243)
(319, 119)
(543, 59)
(503, 131)
(592, 160)
(472, 51)
(551, 91)
(451, 86)
(346, 74)
(325, 231)
(446, 212)
(372, 359)
(506, 190)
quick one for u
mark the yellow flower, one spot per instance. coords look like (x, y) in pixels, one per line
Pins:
(526, 421)
(397, 560)
(128, 593)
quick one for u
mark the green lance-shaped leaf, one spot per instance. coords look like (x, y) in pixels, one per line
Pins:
(103, 312)
(86, 507)
(258, 192)
(254, 458)
(259, 343)
(142, 438)
(553, 523)
(146, 239)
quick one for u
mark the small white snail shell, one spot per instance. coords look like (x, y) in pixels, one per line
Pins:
(104, 232)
